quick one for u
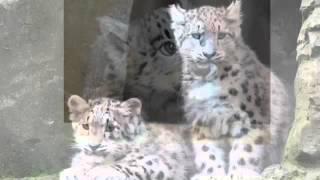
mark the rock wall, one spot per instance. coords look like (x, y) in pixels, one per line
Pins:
(303, 147)
(302, 156)
(32, 132)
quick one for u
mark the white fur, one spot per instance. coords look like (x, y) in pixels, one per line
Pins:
(177, 14)
(202, 157)
(204, 92)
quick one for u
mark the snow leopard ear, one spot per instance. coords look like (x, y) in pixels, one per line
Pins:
(177, 14)
(233, 13)
(77, 106)
(137, 42)
(132, 105)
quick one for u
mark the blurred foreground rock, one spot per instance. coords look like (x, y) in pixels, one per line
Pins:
(303, 149)
(302, 156)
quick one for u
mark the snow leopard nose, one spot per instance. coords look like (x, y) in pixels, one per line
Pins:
(209, 55)
(95, 147)
(208, 46)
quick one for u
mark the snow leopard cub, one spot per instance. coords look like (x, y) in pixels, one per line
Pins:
(238, 107)
(115, 143)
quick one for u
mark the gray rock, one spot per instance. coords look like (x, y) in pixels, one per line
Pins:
(278, 172)
(303, 149)
(32, 132)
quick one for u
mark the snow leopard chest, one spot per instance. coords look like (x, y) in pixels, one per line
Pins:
(204, 91)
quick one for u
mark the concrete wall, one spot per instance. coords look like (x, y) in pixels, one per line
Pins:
(32, 133)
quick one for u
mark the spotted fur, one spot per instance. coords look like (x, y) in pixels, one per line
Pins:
(245, 104)
(115, 143)
(197, 60)
(154, 67)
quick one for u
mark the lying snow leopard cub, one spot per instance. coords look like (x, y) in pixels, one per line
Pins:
(115, 143)
(238, 107)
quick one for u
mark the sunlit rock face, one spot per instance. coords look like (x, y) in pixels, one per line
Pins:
(302, 157)
(306, 131)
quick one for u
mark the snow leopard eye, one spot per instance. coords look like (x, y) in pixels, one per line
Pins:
(222, 35)
(85, 126)
(168, 48)
(109, 128)
(196, 35)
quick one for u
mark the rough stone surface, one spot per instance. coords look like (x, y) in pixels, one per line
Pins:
(303, 145)
(309, 39)
(303, 149)
(32, 132)
(278, 172)
(46, 177)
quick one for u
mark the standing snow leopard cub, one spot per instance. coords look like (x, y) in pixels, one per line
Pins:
(238, 108)
(115, 143)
